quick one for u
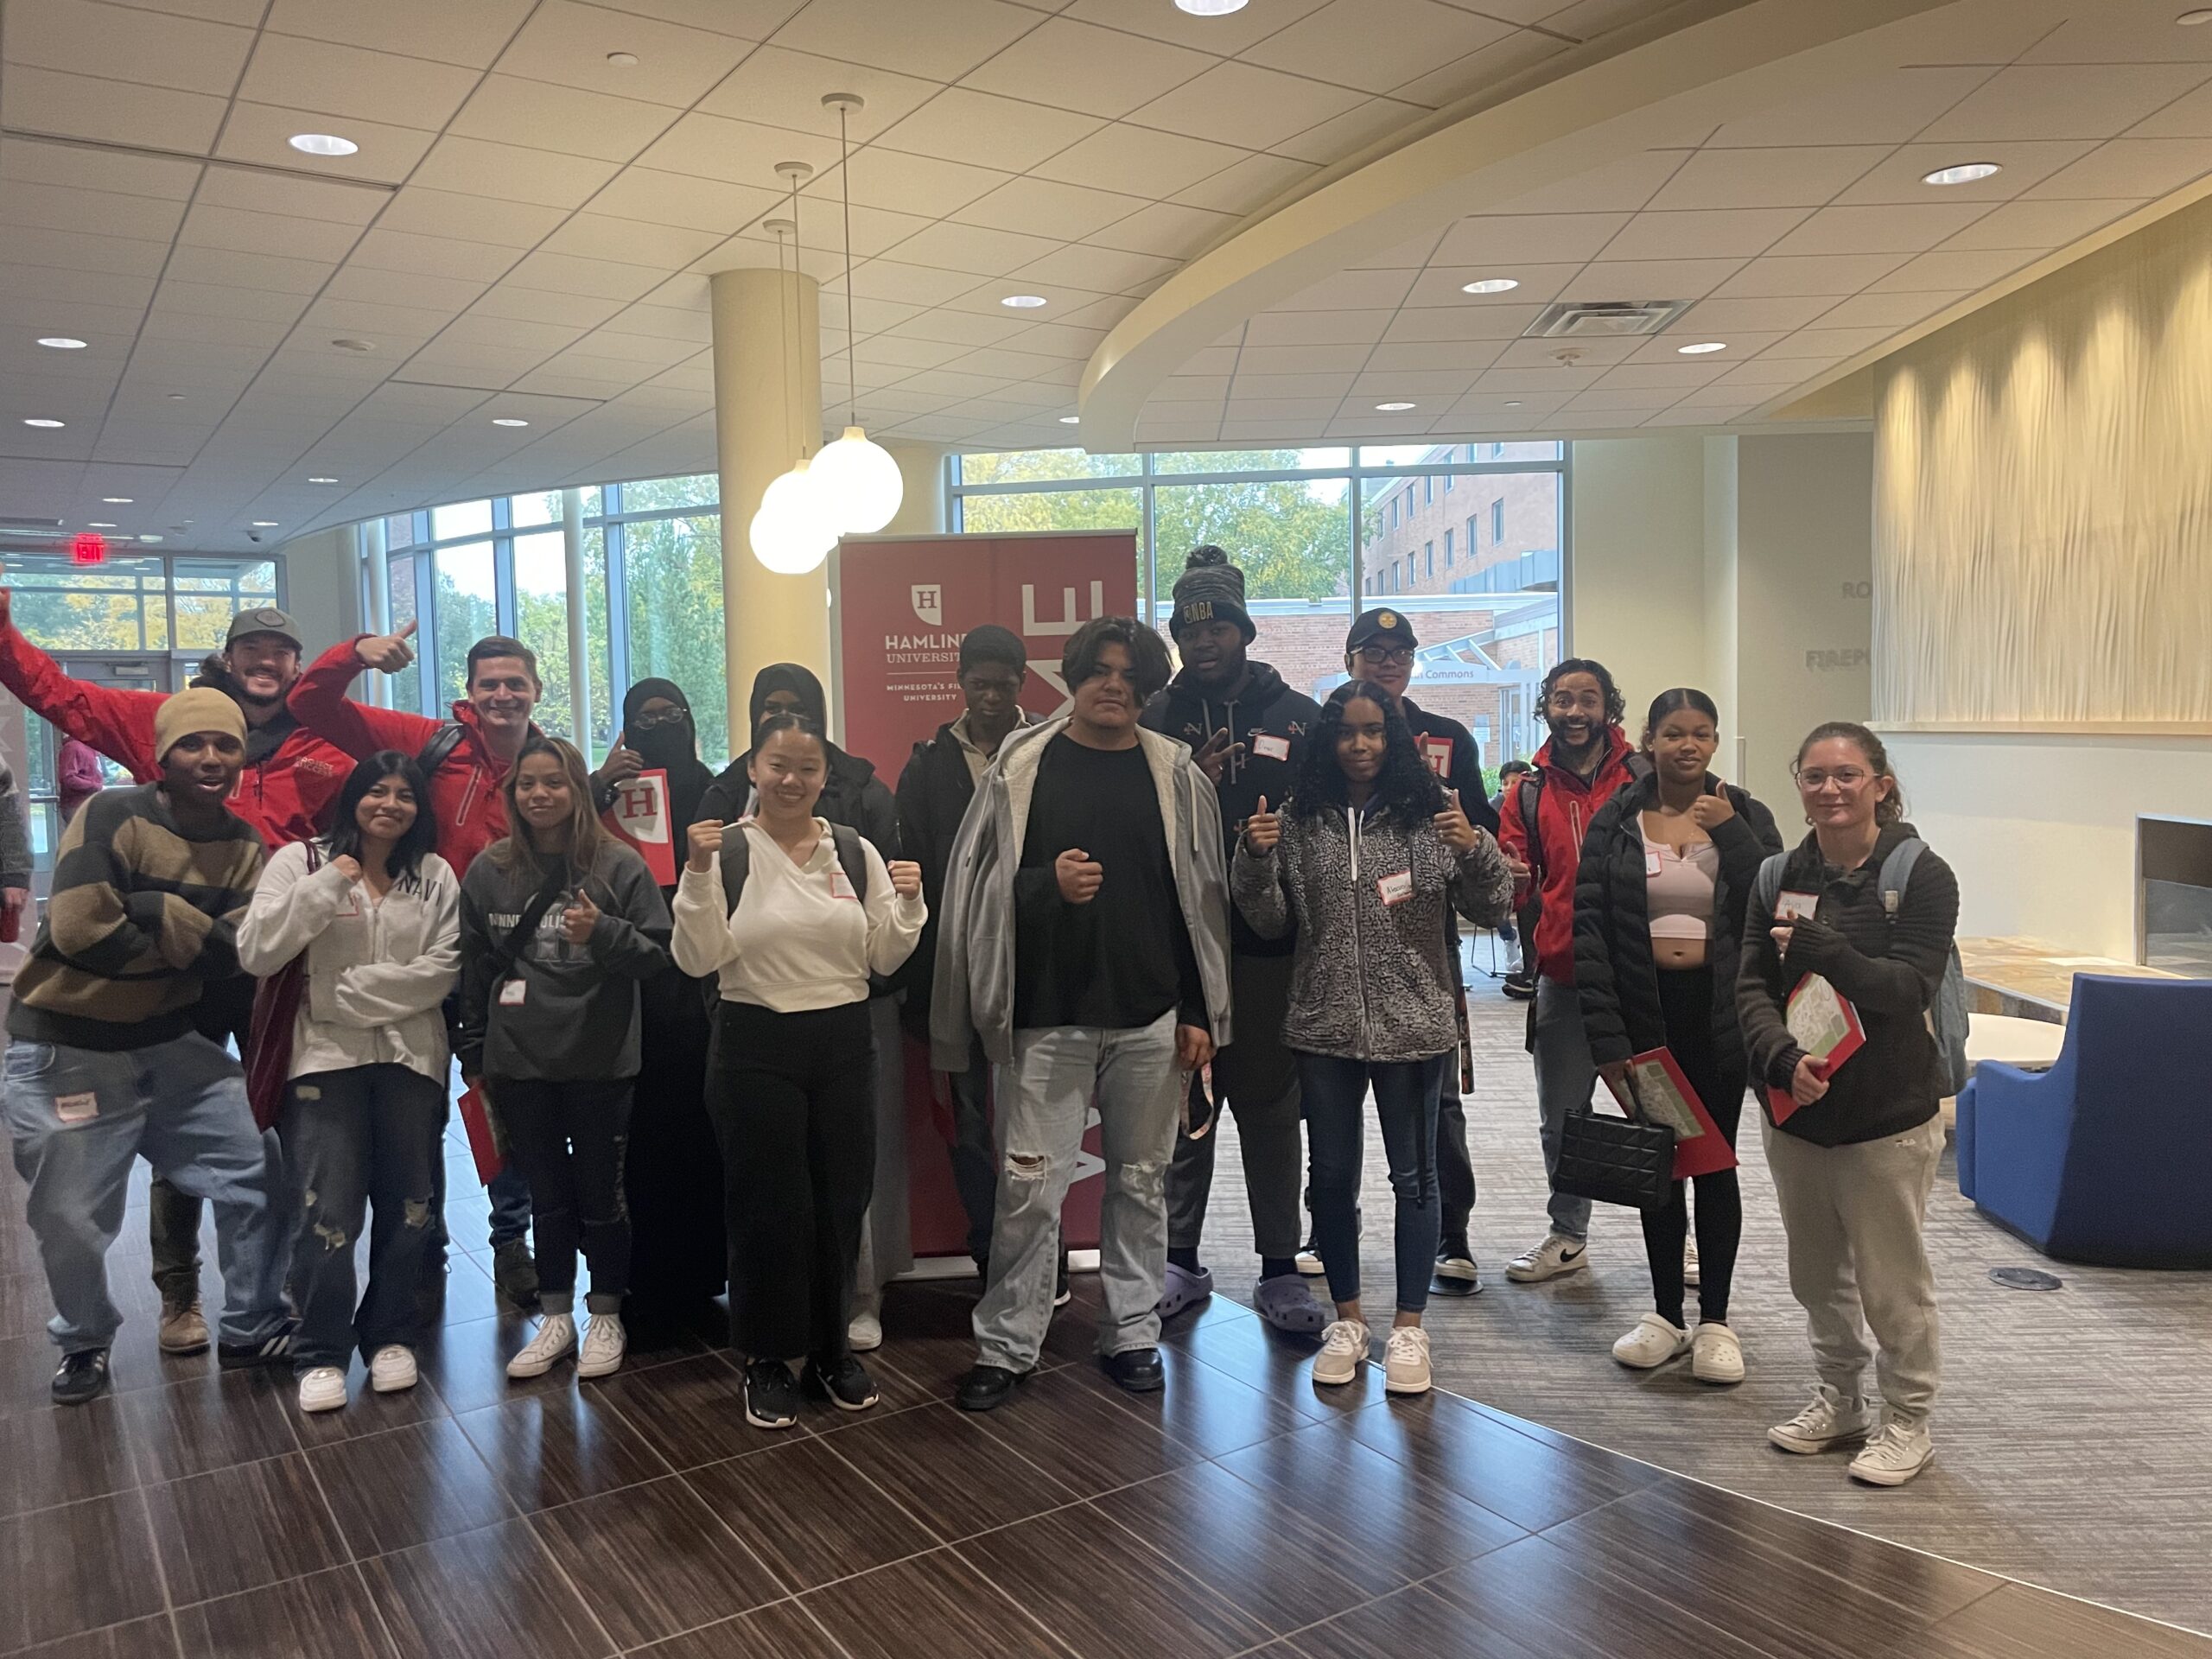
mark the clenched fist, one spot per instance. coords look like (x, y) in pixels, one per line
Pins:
(706, 844)
(906, 877)
(1079, 876)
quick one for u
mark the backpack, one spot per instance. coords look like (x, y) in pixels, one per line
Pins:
(444, 741)
(1948, 1014)
(737, 862)
(1529, 796)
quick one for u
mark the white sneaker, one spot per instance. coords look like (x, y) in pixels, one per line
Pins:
(1344, 1350)
(1715, 1354)
(605, 1344)
(391, 1368)
(1830, 1420)
(556, 1339)
(1558, 1254)
(865, 1334)
(1651, 1341)
(1404, 1360)
(1894, 1456)
(1689, 1262)
(322, 1388)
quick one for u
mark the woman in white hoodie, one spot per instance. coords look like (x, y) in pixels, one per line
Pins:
(377, 914)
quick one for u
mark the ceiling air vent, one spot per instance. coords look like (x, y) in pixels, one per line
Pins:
(13, 524)
(1605, 318)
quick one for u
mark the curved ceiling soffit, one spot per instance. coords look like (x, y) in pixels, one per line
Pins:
(1734, 60)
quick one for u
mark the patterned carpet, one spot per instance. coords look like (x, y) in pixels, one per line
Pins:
(2074, 1437)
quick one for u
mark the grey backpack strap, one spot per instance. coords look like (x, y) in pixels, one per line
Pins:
(1766, 891)
(737, 863)
(1897, 871)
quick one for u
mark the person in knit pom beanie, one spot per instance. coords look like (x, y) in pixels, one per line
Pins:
(1247, 728)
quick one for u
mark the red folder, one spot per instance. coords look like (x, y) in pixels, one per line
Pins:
(1781, 1102)
(478, 1125)
(1705, 1152)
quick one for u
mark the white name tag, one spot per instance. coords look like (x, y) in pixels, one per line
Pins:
(1397, 889)
(841, 885)
(77, 1108)
(513, 993)
(1651, 860)
(1791, 905)
(1271, 748)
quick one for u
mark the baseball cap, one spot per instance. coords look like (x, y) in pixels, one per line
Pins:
(265, 619)
(1370, 626)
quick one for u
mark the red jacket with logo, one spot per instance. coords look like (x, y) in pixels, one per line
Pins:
(285, 794)
(465, 795)
(1566, 803)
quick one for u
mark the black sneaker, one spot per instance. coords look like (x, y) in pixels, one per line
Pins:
(986, 1388)
(82, 1378)
(275, 1348)
(1521, 987)
(845, 1383)
(771, 1394)
(515, 1273)
(1455, 1273)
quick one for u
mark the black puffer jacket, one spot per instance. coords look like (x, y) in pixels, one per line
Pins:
(1371, 980)
(1614, 974)
(1889, 969)
(853, 795)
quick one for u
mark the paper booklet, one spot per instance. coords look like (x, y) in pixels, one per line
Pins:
(1663, 1095)
(1823, 1023)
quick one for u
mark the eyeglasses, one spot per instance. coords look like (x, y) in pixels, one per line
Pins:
(1812, 783)
(649, 722)
(1389, 657)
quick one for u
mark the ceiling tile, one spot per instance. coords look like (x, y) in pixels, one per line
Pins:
(334, 202)
(562, 273)
(73, 167)
(541, 116)
(1442, 285)
(1376, 45)
(1163, 228)
(1543, 356)
(53, 207)
(1497, 240)
(433, 255)
(2039, 225)
(567, 44)
(911, 184)
(2079, 100)
(781, 88)
(597, 236)
(222, 268)
(482, 219)
(1723, 319)
(1077, 66)
(1842, 273)
(886, 279)
(959, 125)
(473, 166)
(151, 49)
(217, 300)
(1435, 354)
(1621, 185)
(2129, 167)
(1106, 269)
(111, 112)
(1302, 359)
(973, 248)
(1652, 279)
(397, 287)
(335, 318)
(1060, 340)
(471, 34)
(1044, 208)
(1481, 69)
(1353, 290)
(741, 152)
(1900, 178)
(942, 40)
(1901, 228)
(1348, 134)
(1138, 162)
(228, 228)
(2133, 33)
(1243, 104)
(1684, 372)
(1884, 109)
(1246, 186)
(642, 193)
(1887, 310)
(1225, 36)
(258, 132)
(576, 311)
(1740, 233)
(292, 72)
(1952, 271)
(958, 327)
(1828, 343)
(1317, 329)
(1767, 178)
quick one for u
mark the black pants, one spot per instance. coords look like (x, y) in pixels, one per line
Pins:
(674, 1176)
(1686, 1001)
(571, 1139)
(794, 1100)
(223, 1017)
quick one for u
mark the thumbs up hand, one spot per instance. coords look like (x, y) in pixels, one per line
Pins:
(1452, 824)
(388, 653)
(1262, 830)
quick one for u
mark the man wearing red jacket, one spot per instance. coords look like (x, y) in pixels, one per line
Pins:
(474, 752)
(283, 792)
(1540, 828)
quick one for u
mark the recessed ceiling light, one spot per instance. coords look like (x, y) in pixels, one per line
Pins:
(149, 538)
(1513, 402)
(176, 396)
(1702, 347)
(265, 524)
(40, 420)
(507, 420)
(1491, 285)
(1023, 302)
(322, 480)
(2196, 19)
(98, 524)
(354, 344)
(116, 500)
(322, 143)
(1071, 420)
(623, 60)
(1210, 8)
(62, 343)
(1964, 172)
(1392, 409)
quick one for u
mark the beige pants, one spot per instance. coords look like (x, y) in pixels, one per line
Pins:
(1854, 1215)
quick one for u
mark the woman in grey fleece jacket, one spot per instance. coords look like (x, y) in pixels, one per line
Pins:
(1370, 858)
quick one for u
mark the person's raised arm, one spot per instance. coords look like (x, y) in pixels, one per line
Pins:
(319, 702)
(117, 721)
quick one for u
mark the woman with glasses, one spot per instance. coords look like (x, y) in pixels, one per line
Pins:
(679, 1260)
(1861, 904)
(1667, 870)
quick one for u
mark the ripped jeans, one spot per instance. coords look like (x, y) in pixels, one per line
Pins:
(1046, 1097)
(367, 1136)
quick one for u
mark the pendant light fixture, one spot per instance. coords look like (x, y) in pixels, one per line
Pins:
(791, 531)
(858, 480)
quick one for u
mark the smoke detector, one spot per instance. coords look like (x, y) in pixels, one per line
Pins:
(1604, 319)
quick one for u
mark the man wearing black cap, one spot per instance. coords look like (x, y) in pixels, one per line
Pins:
(1247, 730)
(1379, 648)
(283, 792)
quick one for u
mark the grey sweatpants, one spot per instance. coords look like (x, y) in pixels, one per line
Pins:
(1854, 1215)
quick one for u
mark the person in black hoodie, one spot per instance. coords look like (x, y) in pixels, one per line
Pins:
(934, 790)
(1853, 1149)
(855, 797)
(1667, 866)
(679, 1259)
(1247, 730)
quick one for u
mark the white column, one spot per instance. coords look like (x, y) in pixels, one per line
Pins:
(923, 510)
(574, 582)
(369, 541)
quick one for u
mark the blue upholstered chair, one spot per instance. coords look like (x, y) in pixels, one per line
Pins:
(2107, 1158)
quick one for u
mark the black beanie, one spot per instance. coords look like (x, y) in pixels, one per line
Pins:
(1211, 589)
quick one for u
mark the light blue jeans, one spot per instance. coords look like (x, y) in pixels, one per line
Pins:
(1565, 1074)
(78, 1117)
(1044, 1100)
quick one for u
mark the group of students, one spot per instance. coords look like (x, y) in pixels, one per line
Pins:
(1187, 889)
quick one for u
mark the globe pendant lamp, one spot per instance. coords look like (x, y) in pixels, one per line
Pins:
(792, 534)
(856, 483)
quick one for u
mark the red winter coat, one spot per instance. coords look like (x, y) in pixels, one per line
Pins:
(1566, 803)
(465, 794)
(285, 795)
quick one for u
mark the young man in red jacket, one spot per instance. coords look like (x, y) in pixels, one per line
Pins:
(1540, 828)
(473, 752)
(283, 792)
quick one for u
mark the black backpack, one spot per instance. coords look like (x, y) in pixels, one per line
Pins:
(1527, 798)
(439, 750)
(737, 862)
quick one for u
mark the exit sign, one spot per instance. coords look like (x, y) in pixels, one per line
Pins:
(88, 549)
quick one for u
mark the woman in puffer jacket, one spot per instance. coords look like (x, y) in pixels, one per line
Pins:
(1369, 858)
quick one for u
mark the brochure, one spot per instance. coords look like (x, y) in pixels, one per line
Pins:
(1824, 1023)
(1663, 1095)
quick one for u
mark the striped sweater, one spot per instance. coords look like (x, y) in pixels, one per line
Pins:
(144, 912)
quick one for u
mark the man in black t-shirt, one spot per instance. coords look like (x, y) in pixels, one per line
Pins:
(1084, 938)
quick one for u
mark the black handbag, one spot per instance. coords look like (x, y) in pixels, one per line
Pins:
(1615, 1160)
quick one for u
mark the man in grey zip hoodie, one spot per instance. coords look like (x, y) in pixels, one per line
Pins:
(1085, 939)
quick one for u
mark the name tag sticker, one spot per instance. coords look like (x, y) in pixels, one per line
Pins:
(76, 1108)
(513, 993)
(1791, 905)
(1270, 749)
(1437, 751)
(841, 885)
(350, 910)
(1651, 860)
(1397, 889)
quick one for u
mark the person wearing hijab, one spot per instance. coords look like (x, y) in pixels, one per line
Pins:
(673, 1181)
(855, 795)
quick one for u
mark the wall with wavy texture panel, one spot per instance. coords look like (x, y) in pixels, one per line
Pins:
(2042, 502)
